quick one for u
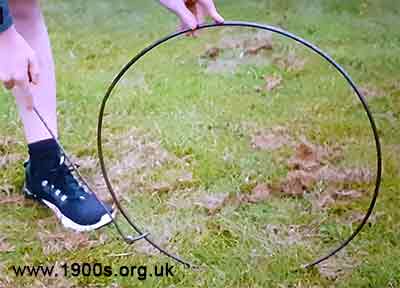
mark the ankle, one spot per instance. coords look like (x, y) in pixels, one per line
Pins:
(44, 155)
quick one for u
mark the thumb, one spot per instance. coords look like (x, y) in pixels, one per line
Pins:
(209, 7)
(33, 70)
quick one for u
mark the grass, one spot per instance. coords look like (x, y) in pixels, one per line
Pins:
(204, 122)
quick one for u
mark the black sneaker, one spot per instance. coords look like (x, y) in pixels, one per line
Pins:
(75, 206)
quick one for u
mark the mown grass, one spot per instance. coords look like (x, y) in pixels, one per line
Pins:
(208, 119)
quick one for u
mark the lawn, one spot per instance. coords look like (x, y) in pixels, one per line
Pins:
(239, 150)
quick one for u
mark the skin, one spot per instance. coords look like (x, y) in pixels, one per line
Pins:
(20, 68)
(193, 12)
(29, 70)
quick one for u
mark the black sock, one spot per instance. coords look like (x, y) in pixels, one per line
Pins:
(44, 155)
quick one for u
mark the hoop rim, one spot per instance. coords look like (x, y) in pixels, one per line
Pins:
(286, 34)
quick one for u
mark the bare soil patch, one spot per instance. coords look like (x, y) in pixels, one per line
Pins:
(371, 92)
(312, 164)
(138, 158)
(234, 50)
(11, 199)
(338, 267)
(270, 139)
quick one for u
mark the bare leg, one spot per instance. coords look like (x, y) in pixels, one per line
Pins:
(29, 22)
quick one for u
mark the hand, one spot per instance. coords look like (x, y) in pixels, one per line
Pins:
(193, 12)
(18, 63)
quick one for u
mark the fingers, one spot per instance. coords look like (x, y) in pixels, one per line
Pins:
(200, 14)
(191, 6)
(21, 82)
(193, 12)
(182, 27)
(187, 18)
(9, 84)
(180, 9)
(211, 10)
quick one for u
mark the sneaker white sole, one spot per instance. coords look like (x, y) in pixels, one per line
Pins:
(68, 223)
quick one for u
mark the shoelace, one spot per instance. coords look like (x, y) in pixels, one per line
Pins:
(129, 239)
(63, 182)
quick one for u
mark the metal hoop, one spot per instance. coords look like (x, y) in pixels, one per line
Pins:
(286, 34)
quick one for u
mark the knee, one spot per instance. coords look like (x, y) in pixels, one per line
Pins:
(25, 10)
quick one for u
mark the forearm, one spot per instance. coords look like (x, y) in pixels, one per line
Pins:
(5, 16)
